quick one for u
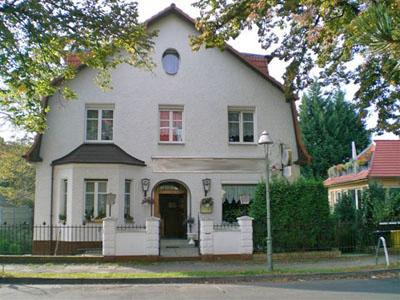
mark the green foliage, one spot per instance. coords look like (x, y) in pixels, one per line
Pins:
(328, 126)
(37, 35)
(17, 177)
(380, 204)
(355, 228)
(231, 211)
(299, 215)
(329, 34)
(15, 239)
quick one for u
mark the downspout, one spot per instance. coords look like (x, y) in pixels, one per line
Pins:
(51, 207)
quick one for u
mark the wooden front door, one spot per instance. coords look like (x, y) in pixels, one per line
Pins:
(173, 215)
(170, 205)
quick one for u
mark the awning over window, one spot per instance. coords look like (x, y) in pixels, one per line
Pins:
(239, 192)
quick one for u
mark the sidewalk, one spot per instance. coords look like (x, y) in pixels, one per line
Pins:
(191, 267)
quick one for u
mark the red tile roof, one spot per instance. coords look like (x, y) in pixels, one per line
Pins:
(347, 178)
(258, 61)
(385, 163)
(386, 159)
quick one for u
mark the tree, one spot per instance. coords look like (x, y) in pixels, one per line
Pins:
(329, 33)
(17, 177)
(329, 125)
(36, 37)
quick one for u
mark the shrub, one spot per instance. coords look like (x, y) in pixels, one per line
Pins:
(300, 216)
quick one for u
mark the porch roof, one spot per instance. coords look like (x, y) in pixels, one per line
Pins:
(95, 153)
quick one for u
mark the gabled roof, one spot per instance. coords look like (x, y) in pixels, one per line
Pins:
(386, 159)
(98, 153)
(257, 63)
(385, 162)
(347, 178)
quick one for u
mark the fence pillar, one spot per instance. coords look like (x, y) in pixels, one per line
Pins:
(246, 234)
(109, 238)
(206, 237)
(152, 236)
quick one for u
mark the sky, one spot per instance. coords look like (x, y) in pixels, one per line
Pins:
(246, 42)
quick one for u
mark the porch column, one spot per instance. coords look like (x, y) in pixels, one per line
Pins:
(152, 236)
(109, 231)
(246, 234)
(206, 237)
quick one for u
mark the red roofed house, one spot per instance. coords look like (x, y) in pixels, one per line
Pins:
(378, 163)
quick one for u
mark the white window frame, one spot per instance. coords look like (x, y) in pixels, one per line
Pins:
(99, 109)
(96, 195)
(241, 111)
(171, 110)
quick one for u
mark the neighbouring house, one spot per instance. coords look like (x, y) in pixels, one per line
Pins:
(11, 214)
(378, 163)
(166, 148)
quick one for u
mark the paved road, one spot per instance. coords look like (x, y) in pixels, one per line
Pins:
(331, 289)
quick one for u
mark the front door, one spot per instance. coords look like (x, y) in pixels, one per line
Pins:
(170, 205)
(173, 215)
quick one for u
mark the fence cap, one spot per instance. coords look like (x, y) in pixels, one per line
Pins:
(245, 218)
(152, 219)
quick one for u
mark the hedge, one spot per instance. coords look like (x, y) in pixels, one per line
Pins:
(300, 216)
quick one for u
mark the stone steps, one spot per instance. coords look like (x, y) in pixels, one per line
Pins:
(177, 248)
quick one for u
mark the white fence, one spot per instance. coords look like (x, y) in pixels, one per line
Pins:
(226, 238)
(131, 241)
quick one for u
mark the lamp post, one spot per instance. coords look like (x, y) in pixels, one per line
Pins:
(266, 141)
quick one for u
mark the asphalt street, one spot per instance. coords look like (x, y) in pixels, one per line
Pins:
(329, 289)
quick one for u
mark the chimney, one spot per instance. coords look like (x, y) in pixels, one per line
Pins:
(73, 60)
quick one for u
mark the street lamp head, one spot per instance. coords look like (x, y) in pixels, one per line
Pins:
(265, 139)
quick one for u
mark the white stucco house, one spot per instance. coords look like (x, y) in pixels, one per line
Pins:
(155, 137)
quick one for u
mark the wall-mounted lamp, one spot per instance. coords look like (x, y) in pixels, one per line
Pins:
(145, 186)
(206, 185)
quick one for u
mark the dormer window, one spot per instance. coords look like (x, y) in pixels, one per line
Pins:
(170, 61)
(99, 124)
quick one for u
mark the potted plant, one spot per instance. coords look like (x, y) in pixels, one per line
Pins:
(128, 218)
(62, 217)
(89, 215)
(147, 200)
(206, 205)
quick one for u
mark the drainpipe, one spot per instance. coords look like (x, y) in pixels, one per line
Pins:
(51, 206)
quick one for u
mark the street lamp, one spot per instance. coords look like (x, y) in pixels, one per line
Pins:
(266, 141)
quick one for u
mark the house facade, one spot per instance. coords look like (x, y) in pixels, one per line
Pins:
(379, 163)
(162, 141)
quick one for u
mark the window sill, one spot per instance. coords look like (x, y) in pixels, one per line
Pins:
(243, 143)
(171, 143)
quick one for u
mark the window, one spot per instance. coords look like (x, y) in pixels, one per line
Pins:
(236, 202)
(241, 126)
(127, 197)
(171, 125)
(95, 199)
(63, 205)
(99, 124)
(170, 61)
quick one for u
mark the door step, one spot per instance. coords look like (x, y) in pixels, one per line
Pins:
(177, 248)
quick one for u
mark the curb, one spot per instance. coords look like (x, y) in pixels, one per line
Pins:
(204, 280)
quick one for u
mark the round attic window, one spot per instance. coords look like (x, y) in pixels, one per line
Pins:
(170, 61)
